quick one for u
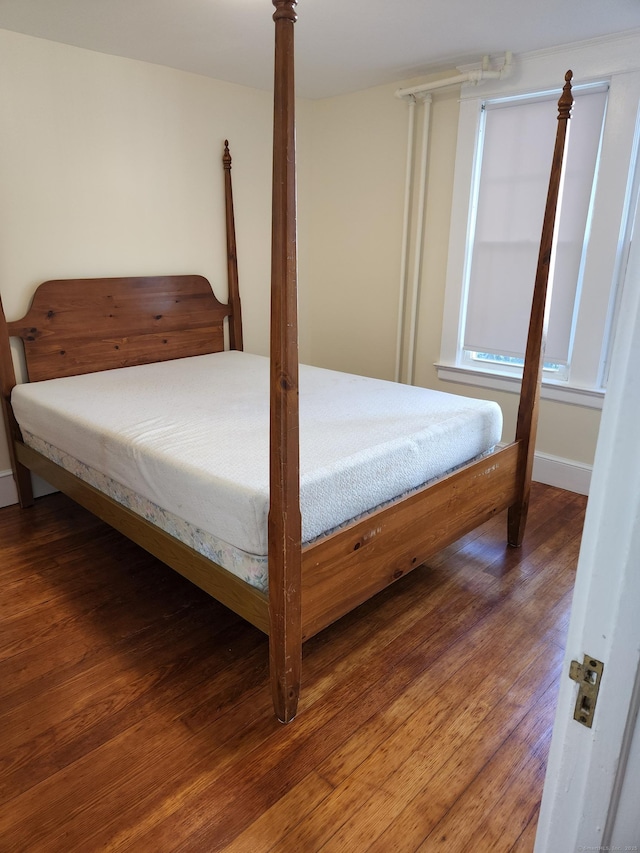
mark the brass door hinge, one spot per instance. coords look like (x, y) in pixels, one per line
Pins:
(588, 674)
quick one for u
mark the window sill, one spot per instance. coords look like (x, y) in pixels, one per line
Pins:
(559, 391)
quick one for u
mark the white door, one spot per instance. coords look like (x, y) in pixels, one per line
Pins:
(591, 797)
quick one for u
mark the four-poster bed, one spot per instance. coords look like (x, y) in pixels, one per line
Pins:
(79, 329)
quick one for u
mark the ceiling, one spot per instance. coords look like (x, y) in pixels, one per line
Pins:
(341, 45)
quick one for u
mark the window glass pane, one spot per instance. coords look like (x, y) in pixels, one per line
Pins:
(514, 176)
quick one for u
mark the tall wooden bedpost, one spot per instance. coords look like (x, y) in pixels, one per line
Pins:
(527, 424)
(21, 475)
(235, 322)
(285, 635)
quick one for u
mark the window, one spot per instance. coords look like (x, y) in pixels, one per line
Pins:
(503, 160)
(515, 147)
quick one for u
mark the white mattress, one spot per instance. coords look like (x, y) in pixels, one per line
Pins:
(191, 436)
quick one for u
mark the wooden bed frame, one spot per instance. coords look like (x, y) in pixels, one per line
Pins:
(78, 326)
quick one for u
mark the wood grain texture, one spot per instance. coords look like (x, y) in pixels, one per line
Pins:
(235, 322)
(84, 325)
(134, 710)
(527, 421)
(284, 523)
(344, 569)
(21, 475)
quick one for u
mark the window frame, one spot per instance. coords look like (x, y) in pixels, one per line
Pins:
(617, 180)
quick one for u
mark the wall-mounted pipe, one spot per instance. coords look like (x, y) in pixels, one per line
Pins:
(408, 315)
(475, 76)
(405, 240)
(417, 258)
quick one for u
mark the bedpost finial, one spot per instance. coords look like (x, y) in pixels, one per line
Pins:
(566, 98)
(285, 9)
(226, 157)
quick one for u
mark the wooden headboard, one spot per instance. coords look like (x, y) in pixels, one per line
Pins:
(83, 325)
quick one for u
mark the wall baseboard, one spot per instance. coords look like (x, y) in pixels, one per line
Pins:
(9, 494)
(551, 470)
(562, 473)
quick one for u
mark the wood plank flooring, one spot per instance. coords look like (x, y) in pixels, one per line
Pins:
(135, 712)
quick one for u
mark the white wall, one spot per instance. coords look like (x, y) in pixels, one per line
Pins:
(357, 156)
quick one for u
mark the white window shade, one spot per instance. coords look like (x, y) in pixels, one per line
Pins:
(511, 195)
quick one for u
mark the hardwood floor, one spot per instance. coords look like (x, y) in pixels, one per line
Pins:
(135, 712)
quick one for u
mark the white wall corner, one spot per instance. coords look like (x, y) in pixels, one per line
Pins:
(9, 493)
